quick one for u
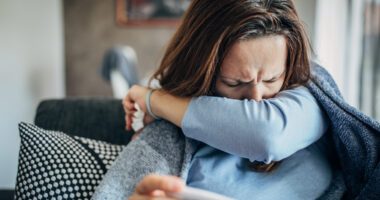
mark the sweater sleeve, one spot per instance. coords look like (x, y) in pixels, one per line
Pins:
(266, 130)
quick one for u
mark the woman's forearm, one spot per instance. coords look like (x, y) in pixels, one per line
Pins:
(268, 130)
(262, 131)
(169, 107)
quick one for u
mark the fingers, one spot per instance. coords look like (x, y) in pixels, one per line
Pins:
(151, 183)
(129, 119)
(128, 104)
(129, 109)
(128, 122)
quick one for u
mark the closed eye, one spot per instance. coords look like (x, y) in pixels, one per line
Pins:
(274, 79)
(271, 80)
(231, 84)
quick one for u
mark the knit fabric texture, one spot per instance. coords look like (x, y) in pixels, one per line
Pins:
(356, 139)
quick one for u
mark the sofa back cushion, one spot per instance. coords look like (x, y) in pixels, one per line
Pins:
(95, 118)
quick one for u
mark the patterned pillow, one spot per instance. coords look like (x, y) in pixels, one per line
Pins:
(54, 165)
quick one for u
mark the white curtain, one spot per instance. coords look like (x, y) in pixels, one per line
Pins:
(370, 66)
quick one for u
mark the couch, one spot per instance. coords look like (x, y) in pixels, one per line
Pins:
(95, 118)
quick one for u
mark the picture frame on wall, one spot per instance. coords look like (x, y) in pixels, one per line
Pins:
(150, 12)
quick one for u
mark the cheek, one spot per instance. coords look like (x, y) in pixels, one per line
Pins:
(273, 89)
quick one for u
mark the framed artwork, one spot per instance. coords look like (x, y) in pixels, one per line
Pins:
(150, 12)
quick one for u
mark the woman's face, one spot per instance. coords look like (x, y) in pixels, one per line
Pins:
(253, 69)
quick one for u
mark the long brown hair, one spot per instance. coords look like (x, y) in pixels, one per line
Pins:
(209, 28)
(193, 58)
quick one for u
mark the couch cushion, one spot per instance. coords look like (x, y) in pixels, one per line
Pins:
(95, 118)
(54, 165)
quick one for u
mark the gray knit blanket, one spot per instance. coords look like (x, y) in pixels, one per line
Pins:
(356, 141)
(162, 148)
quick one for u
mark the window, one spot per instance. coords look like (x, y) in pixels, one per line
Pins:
(370, 65)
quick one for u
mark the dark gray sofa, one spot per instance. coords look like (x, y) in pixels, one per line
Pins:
(95, 118)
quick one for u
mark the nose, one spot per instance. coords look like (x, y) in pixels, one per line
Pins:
(254, 92)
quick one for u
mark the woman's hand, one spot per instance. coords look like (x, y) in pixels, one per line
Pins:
(135, 95)
(156, 187)
(163, 104)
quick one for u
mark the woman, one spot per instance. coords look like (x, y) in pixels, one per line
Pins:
(258, 127)
(240, 49)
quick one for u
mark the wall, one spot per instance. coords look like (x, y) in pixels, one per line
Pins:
(307, 12)
(90, 29)
(31, 69)
(339, 27)
(331, 33)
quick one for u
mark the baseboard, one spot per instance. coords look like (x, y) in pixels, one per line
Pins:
(6, 194)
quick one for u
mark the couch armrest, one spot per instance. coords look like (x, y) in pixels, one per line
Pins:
(95, 118)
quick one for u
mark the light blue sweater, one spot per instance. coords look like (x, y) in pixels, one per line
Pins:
(271, 129)
(274, 129)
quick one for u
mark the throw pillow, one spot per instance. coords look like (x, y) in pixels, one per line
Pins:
(54, 165)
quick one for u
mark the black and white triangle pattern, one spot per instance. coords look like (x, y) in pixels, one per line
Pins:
(106, 152)
(54, 165)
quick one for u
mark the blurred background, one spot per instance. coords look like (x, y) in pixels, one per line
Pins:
(56, 49)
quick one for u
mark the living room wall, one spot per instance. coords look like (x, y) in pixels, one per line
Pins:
(31, 69)
(90, 30)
